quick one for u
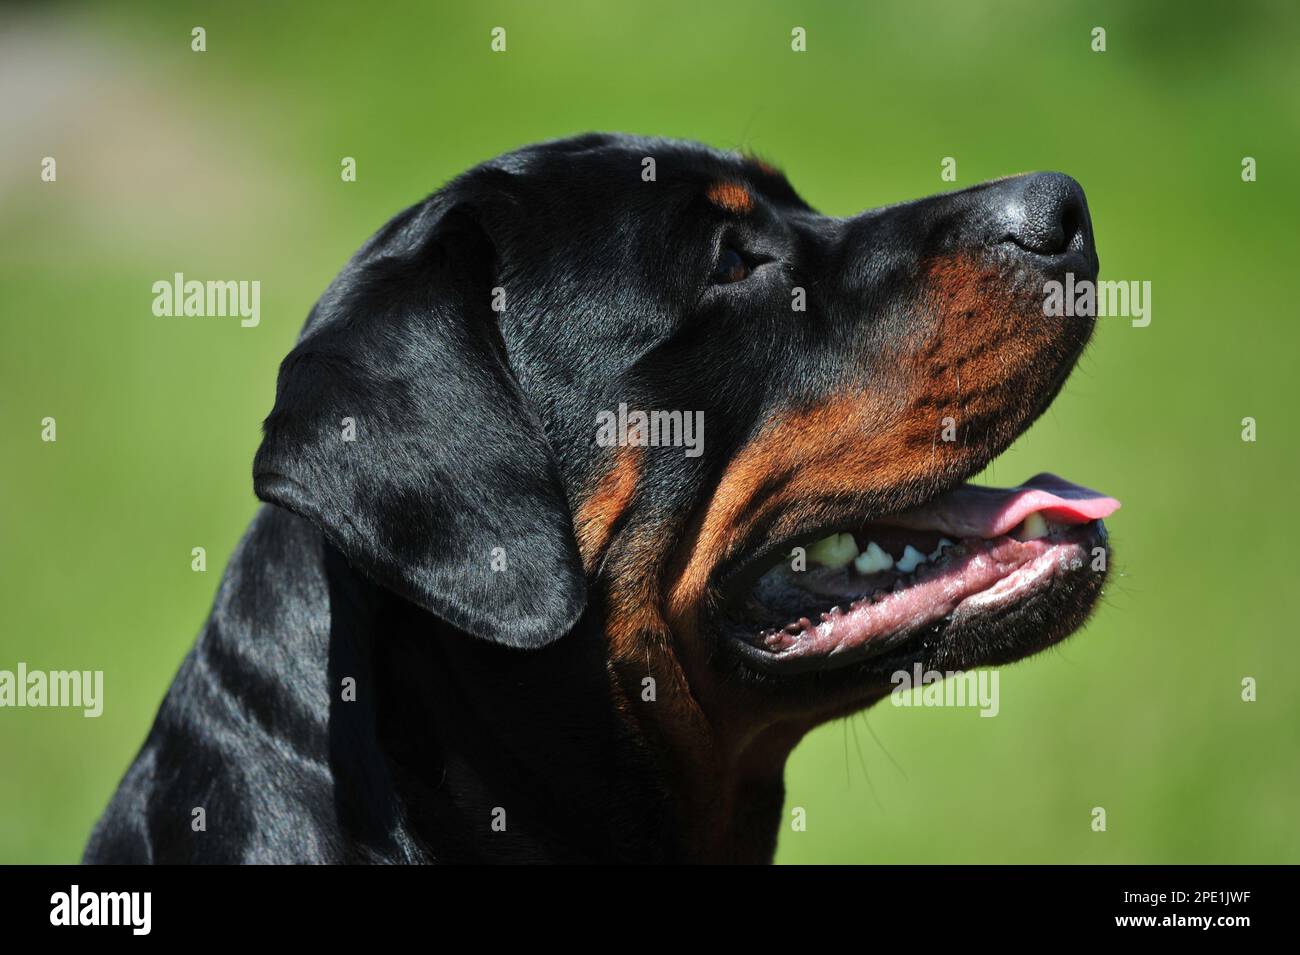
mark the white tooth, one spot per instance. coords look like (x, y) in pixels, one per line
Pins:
(873, 560)
(911, 559)
(1035, 526)
(834, 551)
(943, 542)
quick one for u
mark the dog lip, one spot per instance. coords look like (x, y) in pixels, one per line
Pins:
(959, 509)
(1015, 573)
(980, 517)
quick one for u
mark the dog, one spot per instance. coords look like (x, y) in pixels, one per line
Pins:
(482, 617)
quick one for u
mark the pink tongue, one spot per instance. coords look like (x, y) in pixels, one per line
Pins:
(973, 511)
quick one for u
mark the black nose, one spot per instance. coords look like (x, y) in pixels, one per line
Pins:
(1045, 213)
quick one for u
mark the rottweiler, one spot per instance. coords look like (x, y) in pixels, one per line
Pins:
(594, 482)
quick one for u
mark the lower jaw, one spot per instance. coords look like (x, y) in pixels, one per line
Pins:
(985, 580)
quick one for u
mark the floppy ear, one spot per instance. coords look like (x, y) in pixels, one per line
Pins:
(400, 430)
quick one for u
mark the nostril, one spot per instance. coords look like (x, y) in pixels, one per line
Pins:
(1071, 219)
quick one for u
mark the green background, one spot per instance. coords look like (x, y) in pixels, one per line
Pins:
(225, 164)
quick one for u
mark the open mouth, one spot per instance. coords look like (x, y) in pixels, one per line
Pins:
(970, 555)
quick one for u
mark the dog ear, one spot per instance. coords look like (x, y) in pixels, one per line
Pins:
(399, 429)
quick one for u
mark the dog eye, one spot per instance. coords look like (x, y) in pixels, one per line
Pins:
(731, 267)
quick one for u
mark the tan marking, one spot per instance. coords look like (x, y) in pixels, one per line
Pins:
(596, 517)
(731, 196)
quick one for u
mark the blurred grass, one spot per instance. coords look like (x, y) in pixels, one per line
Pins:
(226, 164)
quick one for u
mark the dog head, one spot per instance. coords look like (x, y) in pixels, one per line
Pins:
(642, 380)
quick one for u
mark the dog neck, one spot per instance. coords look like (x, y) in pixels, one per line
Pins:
(492, 754)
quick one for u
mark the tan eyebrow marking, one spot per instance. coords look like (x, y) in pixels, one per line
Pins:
(731, 196)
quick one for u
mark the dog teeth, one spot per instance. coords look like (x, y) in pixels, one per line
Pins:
(911, 559)
(840, 550)
(835, 551)
(938, 551)
(873, 560)
(1034, 527)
